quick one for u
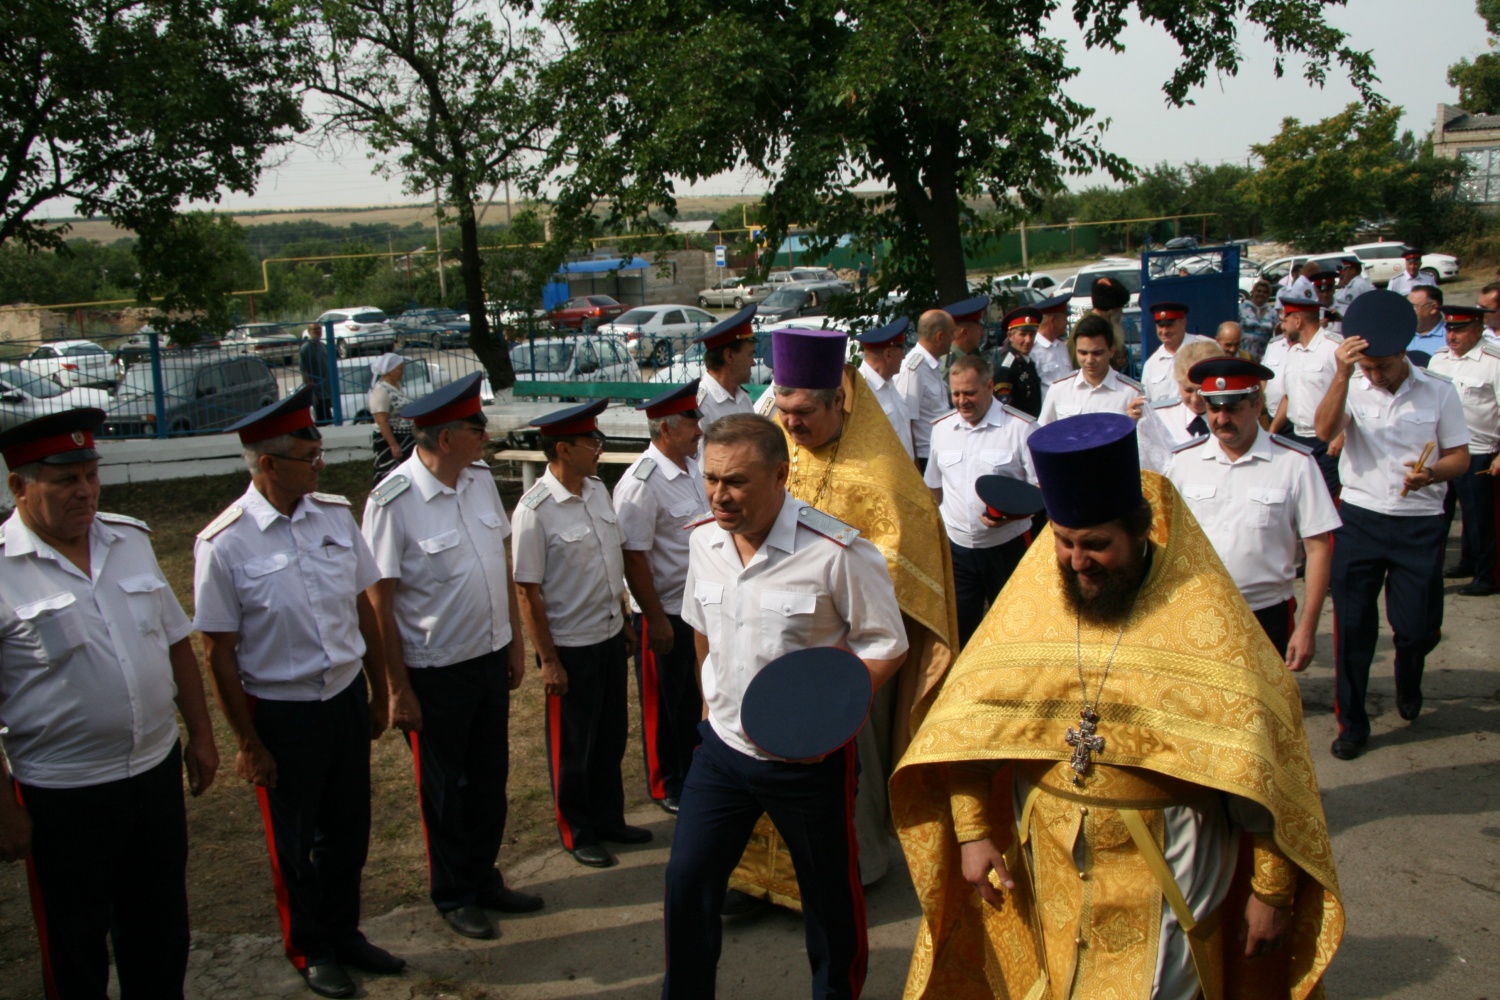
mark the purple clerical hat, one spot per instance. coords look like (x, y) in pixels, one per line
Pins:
(808, 359)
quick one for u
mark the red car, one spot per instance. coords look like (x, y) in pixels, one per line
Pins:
(586, 312)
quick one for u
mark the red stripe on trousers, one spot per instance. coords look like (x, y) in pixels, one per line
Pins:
(650, 713)
(278, 883)
(416, 764)
(856, 888)
(554, 751)
(38, 910)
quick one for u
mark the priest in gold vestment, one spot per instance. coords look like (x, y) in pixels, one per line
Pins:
(848, 462)
(1112, 795)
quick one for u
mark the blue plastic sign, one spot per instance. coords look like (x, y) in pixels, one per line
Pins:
(719, 259)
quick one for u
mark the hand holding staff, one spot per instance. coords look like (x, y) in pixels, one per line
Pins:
(1418, 467)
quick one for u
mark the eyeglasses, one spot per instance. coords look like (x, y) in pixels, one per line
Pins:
(316, 459)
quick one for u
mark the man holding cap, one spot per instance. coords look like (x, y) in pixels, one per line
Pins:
(94, 652)
(659, 495)
(982, 437)
(884, 349)
(768, 576)
(728, 357)
(569, 567)
(1403, 283)
(448, 616)
(1015, 364)
(1256, 495)
(280, 587)
(1050, 351)
(1405, 433)
(1473, 365)
(1119, 707)
(1305, 375)
(920, 380)
(1171, 330)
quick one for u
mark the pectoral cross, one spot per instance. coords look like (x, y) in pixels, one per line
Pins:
(1084, 743)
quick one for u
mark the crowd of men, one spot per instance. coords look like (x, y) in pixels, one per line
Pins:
(890, 510)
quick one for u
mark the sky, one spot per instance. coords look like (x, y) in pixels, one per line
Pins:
(1413, 44)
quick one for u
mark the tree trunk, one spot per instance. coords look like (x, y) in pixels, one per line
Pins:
(491, 351)
(945, 240)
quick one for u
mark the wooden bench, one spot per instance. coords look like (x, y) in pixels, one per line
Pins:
(534, 463)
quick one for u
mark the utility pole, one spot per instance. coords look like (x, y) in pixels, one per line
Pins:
(437, 225)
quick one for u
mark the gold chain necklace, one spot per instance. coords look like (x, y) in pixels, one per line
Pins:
(817, 499)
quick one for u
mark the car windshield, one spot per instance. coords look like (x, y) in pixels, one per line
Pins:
(356, 378)
(175, 381)
(635, 317)
(551, 357)
(1130, 278)
(81, 349)
(368, 317)
(262, 331)
(601, 300)
(33, 385)
(783, 298)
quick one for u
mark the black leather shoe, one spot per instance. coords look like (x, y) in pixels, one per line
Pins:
(739, 904)
(1476, 589)
(508, 900)
(1409, 707)
(1346, 749)
(366, 957)
(471, 922)
(594, 855)
(671, 804)
(328, 979)
(1457, 572)
(627, 835)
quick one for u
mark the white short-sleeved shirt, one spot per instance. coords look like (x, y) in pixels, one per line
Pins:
(86, 682)
(288, 586)
(1386, 430)
(715, 401)
(570, 545)
(1255, 508)
(1305, 377)
(800, 590)
(1159, 373)
(1072, 395)
(1476, 376)
(1403, 283)
(920, 382)
(1275, 359)
(961, 453)
(1051, 359)
(445, 548)
(656, 499)
(1346, 294)
(1175, 417)
(891, 403)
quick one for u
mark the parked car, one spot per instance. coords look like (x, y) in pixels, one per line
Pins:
(26, 395)
(359, 330)
(731, 292)
(274, 343)
(201, 392)
(819, 274)
(656, 333)
(439, 328)
(589, 357)
(420, 378)
(688, 364)
(1383, 261)
(71, 363)
(1279, 268)
(792, 301)
(1081, 286)
(1039, 281)
(137, 348)
(584, 312)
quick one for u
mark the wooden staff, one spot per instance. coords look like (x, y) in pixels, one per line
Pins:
(1421, 462)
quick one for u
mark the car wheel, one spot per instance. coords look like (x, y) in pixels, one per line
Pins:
(180, 427)
(661, 354)
(342, 348)
(739, 302)
(1431, 276)
(703, 302)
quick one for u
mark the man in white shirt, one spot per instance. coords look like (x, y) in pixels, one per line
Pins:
(884, 349)
(920, 380)
(1352, 284)
(1473, 365)
(571, 575)
(1404, 433)
(96, 661)
(659, 495)
(983, 437)
(447, 615)
(1305, 376)
(1403, 283)
(1489, 301)
(768, 576)
(1256, 496)
(728, 358)
(1171, 329)
(1050, 351)
(1185, 417)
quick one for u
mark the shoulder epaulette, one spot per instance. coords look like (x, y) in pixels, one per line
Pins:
(1129, 381)
(1493, 350)
(937, 420)
(342, 501)
(698, 521)
(1439, 375)
(390, 489)
(828, 526)
(702, 391)
(1294, 445)
(1162, 404)
(767, 401)
(912, 362)
(644, 468)
(2, 534)
(1022, 414)
(1005, 360)
(1191, 442)
(221, 522)
(480, 463)
(123, 519)
(1063, 378)
(534, 496)
(1333, 335)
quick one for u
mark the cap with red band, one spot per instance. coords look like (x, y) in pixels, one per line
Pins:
(1300, 299)
(575, 421)
(56, 439)
(726, 332)
(458, 400)
(285, 416)
(1023, 316)
(1222, 380)
(679, 399)
(1168, 311)
(970, 310)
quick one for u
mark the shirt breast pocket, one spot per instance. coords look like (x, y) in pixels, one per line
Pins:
(1067, 410)
(686, 509)
(710, 597)
(54, 622)
(950, 459)
(1413, 429)
(786, 621)
(264, 582)
(575, 534)
(442, 553)
(1269, 505)
(1199, 492)
(995, 459)
(143, 597)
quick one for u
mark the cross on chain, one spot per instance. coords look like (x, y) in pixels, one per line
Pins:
(1084, 743)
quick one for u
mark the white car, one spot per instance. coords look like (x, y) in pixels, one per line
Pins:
(657, 333)
(689, 365)
(358, 330)
(72, 363)
(1042, 282)
(578, 357)
(419, 378)
(25, 396)
(1383, 261)
(1279, 268)
(1122, 269)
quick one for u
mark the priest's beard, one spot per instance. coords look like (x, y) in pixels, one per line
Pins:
(1111, 593)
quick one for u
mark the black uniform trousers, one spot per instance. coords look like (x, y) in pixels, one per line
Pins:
(111, 860)
(1327, 464)
(1278, 620)
(1474, 494)
(812, 806)
(462, 760)
(317, 817)
(978, 575)
(1405, 555)
(586, 733)
(671, 708)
